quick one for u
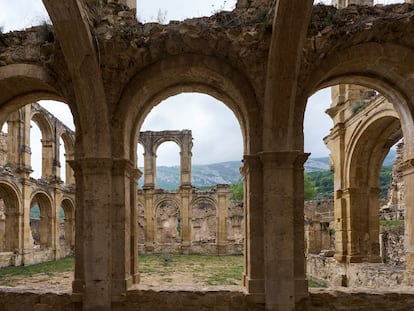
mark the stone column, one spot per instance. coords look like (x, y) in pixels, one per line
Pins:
(93, 257)
(18, 139)
(185, 159)
(223, 198)
(185, 194)
(70, 178)
(135, 175)
(362, 225)
(253, 275)
(149, 216)
(123, 229)
(407, 169)
(284, 259)
(48, 149)
(150, 162)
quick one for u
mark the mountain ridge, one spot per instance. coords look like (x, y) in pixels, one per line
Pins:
(206, 175)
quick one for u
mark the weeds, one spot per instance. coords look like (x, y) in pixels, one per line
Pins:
(45, 32)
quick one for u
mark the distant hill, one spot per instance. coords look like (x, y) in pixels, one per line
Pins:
(168, 177)
(202, 175)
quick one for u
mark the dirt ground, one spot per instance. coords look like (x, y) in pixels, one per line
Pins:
(156, 273)
(62, 282)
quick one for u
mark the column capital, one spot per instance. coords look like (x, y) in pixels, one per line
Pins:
(283, 159)
(406, 167)
(93, 166)
(250, 163)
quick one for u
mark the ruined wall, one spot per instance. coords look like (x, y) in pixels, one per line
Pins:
(392, 246)
(204, 214)
(319, 300)
(333, 273)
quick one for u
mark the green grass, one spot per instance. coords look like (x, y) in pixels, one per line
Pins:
(390, 224)
(211, 270)
(48, 268)
(316, 284)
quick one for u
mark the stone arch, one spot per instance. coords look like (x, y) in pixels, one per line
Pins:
(46, 232)
(167, 221)
(172, 76)
(69, 145)
(185, 73)
(10, 211)
(204, 221)
(68, 227)
(151, 141)
(21, 84)
(48, 142)
(384, 67)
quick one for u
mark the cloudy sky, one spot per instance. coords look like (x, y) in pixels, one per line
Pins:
(217, 135)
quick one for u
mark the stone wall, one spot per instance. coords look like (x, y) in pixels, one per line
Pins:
(12, 299)
(392, 246)
(332, 273)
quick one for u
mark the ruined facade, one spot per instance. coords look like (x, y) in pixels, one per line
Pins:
(263, 60)
(24, 241)
(186, 220)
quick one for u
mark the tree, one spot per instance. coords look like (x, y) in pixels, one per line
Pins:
(309, 186)
(237, 190)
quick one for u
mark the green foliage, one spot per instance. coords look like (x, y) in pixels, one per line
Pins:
(237, 190)
(323, 181)
(385, 180)
(309, 187)
(45, 32)
(316, 284)
(357, 107)
(386, 225)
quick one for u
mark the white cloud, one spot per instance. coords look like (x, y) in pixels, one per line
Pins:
(20, 14)
(216, 131)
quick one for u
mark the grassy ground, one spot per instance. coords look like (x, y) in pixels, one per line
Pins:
(207, 270)
(210, 270)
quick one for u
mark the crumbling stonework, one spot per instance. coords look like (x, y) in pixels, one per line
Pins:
(264, 65)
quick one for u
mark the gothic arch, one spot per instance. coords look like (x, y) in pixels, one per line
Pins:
(10, 195)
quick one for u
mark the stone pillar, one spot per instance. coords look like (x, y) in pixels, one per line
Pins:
(185, 194)
(47, 158)
(284, 259)
(70, 178)
(94, 237)
(253, 275)
(314, 234)
(150, 162)
(18, 139)
(135, 176)
(3, 148)
(407, 169)
(185, 159)
(149, 217)
(223, 198)
(57, 199)
(123, 230)
(362, 225)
